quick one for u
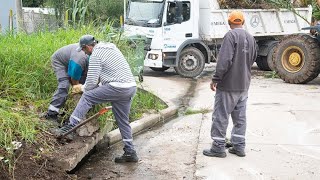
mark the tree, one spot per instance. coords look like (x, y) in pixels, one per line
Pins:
(32, 3)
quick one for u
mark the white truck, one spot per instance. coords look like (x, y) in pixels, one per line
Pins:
(186, 34)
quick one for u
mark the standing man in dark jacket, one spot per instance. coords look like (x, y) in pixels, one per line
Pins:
(70, 67)
(231, 82)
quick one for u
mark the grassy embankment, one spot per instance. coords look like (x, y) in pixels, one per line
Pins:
(27, 83)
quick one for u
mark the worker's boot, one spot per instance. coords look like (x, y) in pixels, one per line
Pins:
(51, 115)
(239, 153)
(63, 130)
(127, 157)
(212, 153)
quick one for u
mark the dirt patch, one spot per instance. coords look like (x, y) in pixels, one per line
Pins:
(33, 161)
(38, 162)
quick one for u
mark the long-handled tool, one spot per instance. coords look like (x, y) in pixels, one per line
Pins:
(102, 111)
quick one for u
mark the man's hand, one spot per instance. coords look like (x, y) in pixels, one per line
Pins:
(76, 89)
(213, 86)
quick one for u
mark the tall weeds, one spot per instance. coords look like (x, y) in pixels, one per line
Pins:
(27, 81)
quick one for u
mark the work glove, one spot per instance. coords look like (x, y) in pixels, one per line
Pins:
(77, 89)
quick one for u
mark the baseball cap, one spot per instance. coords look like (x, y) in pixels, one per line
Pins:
(85, 40)
(236, 17)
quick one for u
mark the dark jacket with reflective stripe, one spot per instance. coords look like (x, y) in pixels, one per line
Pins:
(237, 54)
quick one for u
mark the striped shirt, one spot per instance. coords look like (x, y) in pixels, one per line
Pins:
(108, 65)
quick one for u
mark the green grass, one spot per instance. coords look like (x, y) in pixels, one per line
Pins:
(27, 83)
(271, 75)
(200, 111)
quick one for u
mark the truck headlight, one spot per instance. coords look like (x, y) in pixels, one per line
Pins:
(153, 56)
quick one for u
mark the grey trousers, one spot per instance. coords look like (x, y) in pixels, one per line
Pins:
(60, 96)
(227, 103)
(120, 99)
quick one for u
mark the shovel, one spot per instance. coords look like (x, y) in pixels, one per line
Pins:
(101, 112)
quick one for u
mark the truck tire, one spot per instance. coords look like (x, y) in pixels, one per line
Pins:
(191, 62)
(160, 69)
(265, 63)
(297, 59)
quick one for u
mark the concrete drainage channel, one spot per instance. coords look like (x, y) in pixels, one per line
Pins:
(71, 163)
(184, 103)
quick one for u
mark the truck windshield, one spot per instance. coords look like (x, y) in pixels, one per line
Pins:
(146, 13)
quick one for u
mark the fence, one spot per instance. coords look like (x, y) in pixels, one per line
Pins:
(38, 19)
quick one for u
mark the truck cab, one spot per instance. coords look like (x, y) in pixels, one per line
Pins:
(170, 27)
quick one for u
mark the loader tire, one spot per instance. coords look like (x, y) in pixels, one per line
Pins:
(191, 62)
(297, 59)
(265, 63)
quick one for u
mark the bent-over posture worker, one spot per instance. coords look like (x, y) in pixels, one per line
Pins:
(231, 82)
(70, 67)
(108, 66)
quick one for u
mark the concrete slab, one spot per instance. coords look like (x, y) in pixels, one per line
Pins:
(169, 89)
(273, 152)
(283, 135)
(165, 152)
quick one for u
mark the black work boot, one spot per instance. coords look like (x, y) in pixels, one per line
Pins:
(239, 153)
(212, 153)
(64, 129)
(51, 115)
(127, 157)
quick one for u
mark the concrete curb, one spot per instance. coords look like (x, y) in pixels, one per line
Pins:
(69, 163)
(141, 124)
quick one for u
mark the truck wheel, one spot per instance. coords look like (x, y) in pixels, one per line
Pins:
(265, 63)
(297, 59)
(191, 62)
(160, 69)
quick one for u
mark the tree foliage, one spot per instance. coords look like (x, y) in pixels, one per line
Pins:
(33, 3)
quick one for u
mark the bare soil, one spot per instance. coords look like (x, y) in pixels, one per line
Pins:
(33, 162)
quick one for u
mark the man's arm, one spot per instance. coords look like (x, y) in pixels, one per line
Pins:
(224, 59)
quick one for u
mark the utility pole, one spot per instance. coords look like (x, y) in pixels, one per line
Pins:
(19, 16)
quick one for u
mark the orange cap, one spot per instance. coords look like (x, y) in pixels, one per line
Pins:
(236, 17)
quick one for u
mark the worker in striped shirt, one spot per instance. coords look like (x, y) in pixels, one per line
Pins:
(107, 66)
